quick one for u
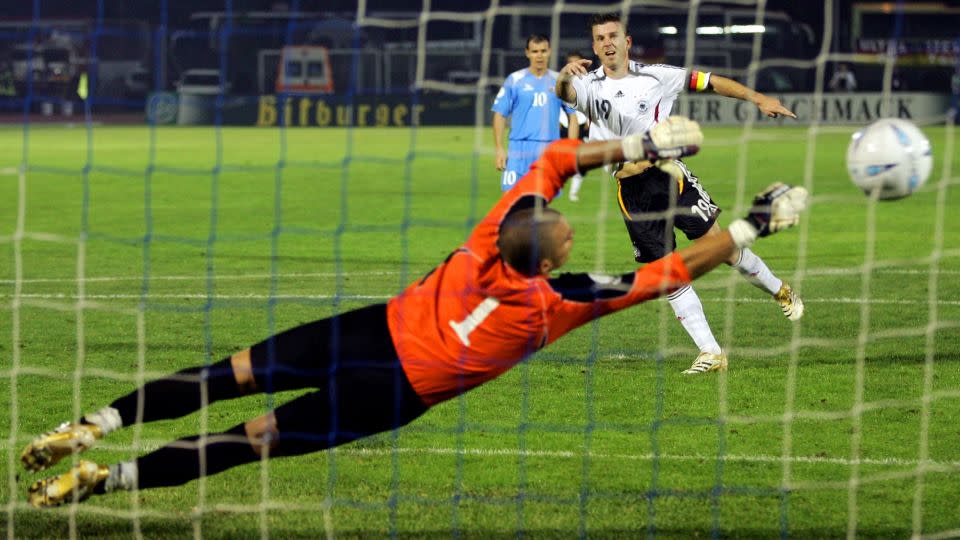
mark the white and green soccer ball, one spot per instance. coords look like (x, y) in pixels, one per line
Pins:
(891, 156)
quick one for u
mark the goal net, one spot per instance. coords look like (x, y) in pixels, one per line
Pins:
(328, 156)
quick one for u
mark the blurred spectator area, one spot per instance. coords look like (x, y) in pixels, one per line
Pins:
(924, 36)
(47, 57)
(381, 53)
(391, 50)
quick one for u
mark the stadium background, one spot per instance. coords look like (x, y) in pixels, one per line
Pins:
(130, 248)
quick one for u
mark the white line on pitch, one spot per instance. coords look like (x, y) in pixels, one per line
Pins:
(491, 452)
(150, 445)
(380, 273)
(198, 296)
(203, 277)
(349, 296)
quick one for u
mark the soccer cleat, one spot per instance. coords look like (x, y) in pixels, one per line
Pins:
(790, 302)
(77, 484)
(574, 197)
(52, 446)
(706, 362)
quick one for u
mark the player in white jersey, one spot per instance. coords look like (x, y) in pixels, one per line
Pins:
(622, 97)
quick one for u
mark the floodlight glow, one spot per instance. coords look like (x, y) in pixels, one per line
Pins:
(709, 30)
(719, 30)
(746, 29)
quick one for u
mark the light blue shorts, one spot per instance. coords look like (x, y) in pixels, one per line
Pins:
(520, 156)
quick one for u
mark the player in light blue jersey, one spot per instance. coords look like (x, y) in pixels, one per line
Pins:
(528, 98)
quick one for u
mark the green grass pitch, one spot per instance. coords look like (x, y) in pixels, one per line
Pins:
(206, 241)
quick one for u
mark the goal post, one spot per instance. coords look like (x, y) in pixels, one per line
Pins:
(131, 252)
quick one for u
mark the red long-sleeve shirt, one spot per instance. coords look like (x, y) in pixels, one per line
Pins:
(474, 317)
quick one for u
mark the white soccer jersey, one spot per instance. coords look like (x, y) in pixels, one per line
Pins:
(634, 103)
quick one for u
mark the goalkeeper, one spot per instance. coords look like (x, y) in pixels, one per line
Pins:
(487, 307)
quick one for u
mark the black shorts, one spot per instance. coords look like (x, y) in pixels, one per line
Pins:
(650, 202)
(350, 359)
(584, 132)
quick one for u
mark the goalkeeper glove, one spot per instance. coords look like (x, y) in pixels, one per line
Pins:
(776, 208)
(673, 138)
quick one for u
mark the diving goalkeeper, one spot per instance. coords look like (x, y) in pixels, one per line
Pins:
(487, 307)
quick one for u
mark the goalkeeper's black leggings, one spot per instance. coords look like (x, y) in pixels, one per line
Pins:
(350, 359)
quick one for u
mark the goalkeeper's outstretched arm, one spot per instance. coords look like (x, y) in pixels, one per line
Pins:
(774, 209)
(673, 138)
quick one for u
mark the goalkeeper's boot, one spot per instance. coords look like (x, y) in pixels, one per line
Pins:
(707, 362)
(52, 446)
(77, 484)
(790, 302)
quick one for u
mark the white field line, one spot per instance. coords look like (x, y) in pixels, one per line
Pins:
(349, 296)
(225, 277)
(149, 445)
(512, 452)
(385, 273)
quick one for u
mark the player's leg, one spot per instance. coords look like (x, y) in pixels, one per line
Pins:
(517, 165)
(644, 200)
(362, 390)
(520, 157)
(756, 271)
(695, 214)
(747, 263)
(576, 181)
(301, 357)
(358, 402)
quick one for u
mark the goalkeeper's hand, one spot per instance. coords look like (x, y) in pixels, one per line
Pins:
(673, 138)
(776, 208)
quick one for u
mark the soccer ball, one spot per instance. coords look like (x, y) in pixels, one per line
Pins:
(891, 156)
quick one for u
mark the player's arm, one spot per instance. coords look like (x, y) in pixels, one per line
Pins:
(499, 127)
(573, 126)
(769, 106)
(565, 89)
(774, 209)
(675, 137)
(587, 297)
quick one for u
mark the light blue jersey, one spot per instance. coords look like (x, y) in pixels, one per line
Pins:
(533, 108)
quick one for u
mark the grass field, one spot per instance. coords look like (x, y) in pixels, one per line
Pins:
(845, 422)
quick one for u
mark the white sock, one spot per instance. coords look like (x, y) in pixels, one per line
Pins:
(123, 477)
(575, 182)
(107, 419)
(756, 272)
(686, 305)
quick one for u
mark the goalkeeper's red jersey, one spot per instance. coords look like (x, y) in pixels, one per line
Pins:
(474, 317)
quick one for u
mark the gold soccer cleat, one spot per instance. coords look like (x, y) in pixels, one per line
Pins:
(790, 302)
(52, 446)
(77, 484)
(706, 362)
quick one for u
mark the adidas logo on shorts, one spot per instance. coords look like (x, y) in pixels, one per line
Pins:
(618, 94)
